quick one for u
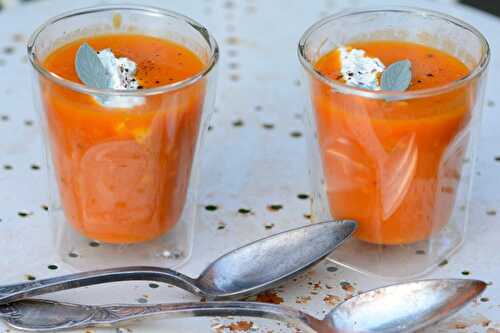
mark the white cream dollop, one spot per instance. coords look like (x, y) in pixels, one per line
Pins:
(358, 70)
(122, 72)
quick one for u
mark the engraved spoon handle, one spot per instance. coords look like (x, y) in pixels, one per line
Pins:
(15, 292)
(41, 315)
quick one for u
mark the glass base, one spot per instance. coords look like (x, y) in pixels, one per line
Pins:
(82, 254)
(399, 262)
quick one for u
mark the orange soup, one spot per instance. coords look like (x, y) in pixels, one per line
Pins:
(394, 166)
(123, 173)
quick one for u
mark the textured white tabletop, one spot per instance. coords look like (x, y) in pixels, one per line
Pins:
(247, 166)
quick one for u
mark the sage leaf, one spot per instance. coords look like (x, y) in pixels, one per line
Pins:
(396, 77)
(90, 69)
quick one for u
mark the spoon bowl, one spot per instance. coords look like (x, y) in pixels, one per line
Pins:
(262, 265)
(245, 271)
(405, 307)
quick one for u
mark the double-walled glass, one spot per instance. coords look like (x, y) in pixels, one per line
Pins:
(123, 180)
(400, 163)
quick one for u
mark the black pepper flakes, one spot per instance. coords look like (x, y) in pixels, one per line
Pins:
(238, 123)
(211, 208)
(8, 50)
(443, 263)
(491, 212)
(275, 207)
(24, 214)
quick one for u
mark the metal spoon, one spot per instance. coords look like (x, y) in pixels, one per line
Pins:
(246, 271)
(405, 307)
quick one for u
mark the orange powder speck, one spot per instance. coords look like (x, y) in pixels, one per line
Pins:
(240, 326)
(270, 297)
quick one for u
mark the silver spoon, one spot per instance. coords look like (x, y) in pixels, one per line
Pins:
(405, 307)
(239, 273)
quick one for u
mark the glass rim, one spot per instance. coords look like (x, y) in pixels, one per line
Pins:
(394, 95)
(151, 10)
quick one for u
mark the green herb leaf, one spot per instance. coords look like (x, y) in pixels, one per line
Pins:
(397, 76)
(90, 69)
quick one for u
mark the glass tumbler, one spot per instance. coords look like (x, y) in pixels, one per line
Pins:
(399, 163)
(123, 181)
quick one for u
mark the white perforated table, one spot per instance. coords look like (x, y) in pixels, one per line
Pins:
(253, 165)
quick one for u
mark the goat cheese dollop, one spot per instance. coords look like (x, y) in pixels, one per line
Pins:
(122, 73)
(358, 70)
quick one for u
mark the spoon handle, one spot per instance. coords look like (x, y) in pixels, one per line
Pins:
(42, 315)
(15, 292)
